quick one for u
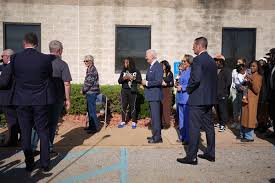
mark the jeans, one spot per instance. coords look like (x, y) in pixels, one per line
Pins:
(247, 133)
(54, 115)
(91, 103)
(237, 104)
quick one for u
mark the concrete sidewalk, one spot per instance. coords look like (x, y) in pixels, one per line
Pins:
(123, 155)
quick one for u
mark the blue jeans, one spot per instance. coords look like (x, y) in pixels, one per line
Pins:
(54, 115)
(91, 104)
(237, 104)
(247, 133)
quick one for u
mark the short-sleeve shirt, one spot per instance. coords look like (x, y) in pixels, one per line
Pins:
(61, 74)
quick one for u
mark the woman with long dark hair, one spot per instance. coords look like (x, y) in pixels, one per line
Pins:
(129, 79)
(167, 84)
(249, 110)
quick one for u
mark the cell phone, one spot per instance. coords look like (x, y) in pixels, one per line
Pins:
(248, 71)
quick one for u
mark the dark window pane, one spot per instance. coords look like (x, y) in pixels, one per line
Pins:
(238, 42)
(14, 34)
(133, 42)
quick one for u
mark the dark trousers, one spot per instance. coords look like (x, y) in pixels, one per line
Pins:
(55, 111)
(29, 116)
(155, 119)
(13, 125)
(91, 103)
(272, 112)
(200, 117)
(128, 98)
(222, 111)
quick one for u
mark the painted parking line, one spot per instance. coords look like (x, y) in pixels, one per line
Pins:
(122, 166)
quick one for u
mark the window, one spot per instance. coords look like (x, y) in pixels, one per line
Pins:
(238, 42)
(14, 34)
(132, 41)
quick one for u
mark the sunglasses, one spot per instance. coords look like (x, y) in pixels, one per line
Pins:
(85, 61)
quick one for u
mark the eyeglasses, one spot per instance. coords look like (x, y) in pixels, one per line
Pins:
(183, 61)
(85, 61)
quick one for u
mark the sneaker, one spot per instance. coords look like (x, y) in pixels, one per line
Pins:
(121, 125)
(222, 128)
(134, 125)
(234, 125)
(216, 125)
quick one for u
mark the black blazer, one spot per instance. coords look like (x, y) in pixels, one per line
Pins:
(6, 85)
(33, 74)
(202, 85)
(224, 83)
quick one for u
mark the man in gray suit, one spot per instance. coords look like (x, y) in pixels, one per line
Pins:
(153, 94)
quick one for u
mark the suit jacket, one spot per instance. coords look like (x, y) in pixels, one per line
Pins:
(182, 96)
(6, 85)
(202, 86)
(33, 78)
(153, 90)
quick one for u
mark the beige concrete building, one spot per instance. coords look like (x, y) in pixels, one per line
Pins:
(89, 26)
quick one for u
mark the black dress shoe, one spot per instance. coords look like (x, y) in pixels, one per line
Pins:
(207, 157)
(149, 138)
(45, 168)
(247, 140)
(152, 141)
(187, 161)
(53, 154)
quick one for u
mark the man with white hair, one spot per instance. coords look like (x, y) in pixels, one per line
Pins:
(5, 100)
(62, 88)
(153, 94)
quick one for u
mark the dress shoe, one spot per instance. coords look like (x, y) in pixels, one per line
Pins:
(187, 161)
(152, 141)
(247, 140)
(149, 138)
(207, 157)
(45, 168)
(53, 154)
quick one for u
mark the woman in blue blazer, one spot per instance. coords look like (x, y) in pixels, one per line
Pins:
(182, 98)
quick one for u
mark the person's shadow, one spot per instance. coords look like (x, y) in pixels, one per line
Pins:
(71, 139)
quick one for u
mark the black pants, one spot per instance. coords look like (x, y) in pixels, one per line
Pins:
(13, 125)
(272, 112)
(200, 117)
(29, 116)
(128, 98)
(222, 111)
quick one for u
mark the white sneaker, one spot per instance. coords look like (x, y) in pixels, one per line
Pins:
(222, 128)
(216, 125)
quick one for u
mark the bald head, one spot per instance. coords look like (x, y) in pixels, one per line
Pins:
(6, 54)
(151, 55)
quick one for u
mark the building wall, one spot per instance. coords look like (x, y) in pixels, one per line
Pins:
(88, 26)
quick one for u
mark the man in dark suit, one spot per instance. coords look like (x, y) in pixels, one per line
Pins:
(153, 94)
(32, 74)
(272, 90)
(202, 90)
(6, 85)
